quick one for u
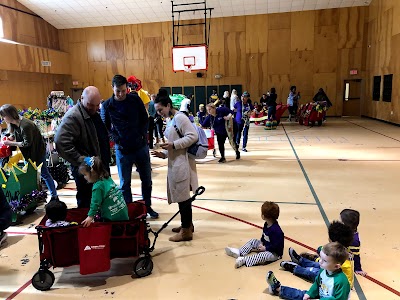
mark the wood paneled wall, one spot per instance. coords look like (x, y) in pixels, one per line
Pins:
(309, 49)
(27, 29)
(26, 89)
(383, 44)
(23, 80)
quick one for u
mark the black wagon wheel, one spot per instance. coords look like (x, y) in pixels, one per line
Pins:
(319, 122)
(143, 266)
(43, 280)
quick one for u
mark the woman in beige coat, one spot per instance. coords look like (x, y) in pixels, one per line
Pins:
(182, 174)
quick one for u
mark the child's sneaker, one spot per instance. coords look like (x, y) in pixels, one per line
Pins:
(294, 256)
(234, 252)
(273, 283)
(240, 261)
(288, 265)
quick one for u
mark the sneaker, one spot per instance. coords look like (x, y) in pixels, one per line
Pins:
(151, 214)
(273, 283)
(234, 252)
(309, 256)
(240, 261)
(3, 237)
(244, 150)
(294, 256)
(237, 155)
(222, 160)
(288, 266)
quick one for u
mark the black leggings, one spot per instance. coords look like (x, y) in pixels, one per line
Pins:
(221, 138)
(185, 209)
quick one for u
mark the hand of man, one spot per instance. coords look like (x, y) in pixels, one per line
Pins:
(87, 221)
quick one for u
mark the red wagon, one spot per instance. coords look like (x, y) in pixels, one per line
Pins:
(308, 115)
(280, 109)
(93, 247)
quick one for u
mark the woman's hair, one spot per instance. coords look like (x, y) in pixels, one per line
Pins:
(56, 210)
(292, 87)
(336, 251)
(273, 91)
(234, 92)
(351, 218)
(9, 111)
(163, 98)
(270, 210)
(95, 168)
(339, 232)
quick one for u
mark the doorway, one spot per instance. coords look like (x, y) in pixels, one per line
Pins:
(76, 94)
(352, 98)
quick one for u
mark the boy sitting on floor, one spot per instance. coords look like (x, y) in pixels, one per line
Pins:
(330, 283)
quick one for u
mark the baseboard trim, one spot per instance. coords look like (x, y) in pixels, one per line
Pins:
(380, 120)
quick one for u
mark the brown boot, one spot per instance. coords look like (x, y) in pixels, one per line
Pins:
(184, 235)
(177, 229)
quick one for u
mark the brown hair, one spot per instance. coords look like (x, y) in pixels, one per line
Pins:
(97, 171)
(9, 111)
(351, 218)
(270, 210)
(337, 251)
(211, 105)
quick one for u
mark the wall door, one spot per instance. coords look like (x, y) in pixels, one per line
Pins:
(352, 98)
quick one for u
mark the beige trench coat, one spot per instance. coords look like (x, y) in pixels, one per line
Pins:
(182, 173)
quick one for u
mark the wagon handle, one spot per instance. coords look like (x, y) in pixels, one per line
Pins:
(200, 190)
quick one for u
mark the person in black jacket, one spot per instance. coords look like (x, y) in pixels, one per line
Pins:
(126, 120)
(271, 103)
(5, 216)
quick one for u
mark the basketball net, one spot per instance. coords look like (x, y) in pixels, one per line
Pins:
(188, 68)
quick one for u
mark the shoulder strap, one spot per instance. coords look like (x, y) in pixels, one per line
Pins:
(176, 128)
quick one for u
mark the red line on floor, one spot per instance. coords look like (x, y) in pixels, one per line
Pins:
(17, 292)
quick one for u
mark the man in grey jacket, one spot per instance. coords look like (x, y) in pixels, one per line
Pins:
(82, 133)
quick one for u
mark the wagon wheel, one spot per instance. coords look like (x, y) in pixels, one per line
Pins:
(214, 153)
(143, 266)
(319, 122)
(43, 280)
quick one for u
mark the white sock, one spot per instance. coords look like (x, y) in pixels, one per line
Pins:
(234, 252)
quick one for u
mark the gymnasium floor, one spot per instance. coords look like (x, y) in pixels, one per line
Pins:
(312, 173)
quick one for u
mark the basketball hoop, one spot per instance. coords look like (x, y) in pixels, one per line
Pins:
(188, 68)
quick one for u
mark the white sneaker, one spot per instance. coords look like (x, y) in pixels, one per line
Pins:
(234, 252)
(3, 238)
(240, 261)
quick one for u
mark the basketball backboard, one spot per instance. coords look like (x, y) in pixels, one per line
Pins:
(189, 58)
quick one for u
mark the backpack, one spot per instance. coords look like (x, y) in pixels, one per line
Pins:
(199, 149)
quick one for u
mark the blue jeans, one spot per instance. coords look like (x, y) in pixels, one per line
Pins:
(125, 161)
(45, 174)
(271, 112)
(245, 129)
(307, 269)
(291, 293)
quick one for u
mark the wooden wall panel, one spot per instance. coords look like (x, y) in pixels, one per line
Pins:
(133, 39)
(152, 46)
(151, 30)
(235, 49)
(134, 67)
(327, 17)
(253, 70)
(386, 39)
(216, 65)
(114, 32)
(27, 29)
(234, 24)
(166, 35)
(216, 46)
(282, 85)
(302, 66)
(279, 21)
(351, 27)
(98, 78)
(256, 40)
(96, 50)
(395, 21)
(302, 31)
(171, 78)
(115, 67)
(79, 63)
(279, 52)
(325, 53)
(114, 49)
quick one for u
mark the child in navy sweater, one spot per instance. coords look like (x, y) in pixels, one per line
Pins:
(269, 247)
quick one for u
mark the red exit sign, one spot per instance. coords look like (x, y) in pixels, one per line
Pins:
(353, 72)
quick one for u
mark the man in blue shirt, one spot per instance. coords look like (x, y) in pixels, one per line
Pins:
(126, 119)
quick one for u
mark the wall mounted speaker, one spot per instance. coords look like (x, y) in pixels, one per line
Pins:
(199, 74)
